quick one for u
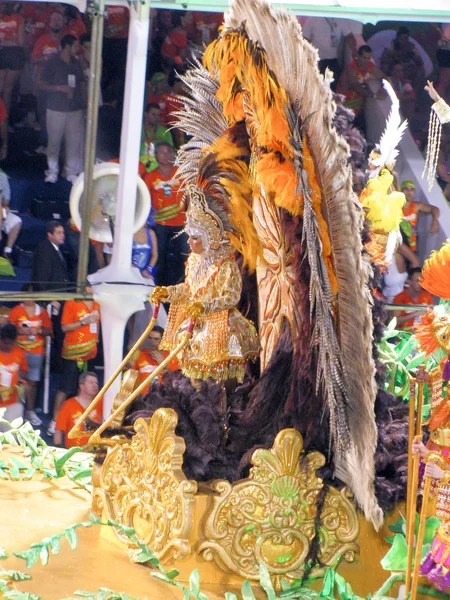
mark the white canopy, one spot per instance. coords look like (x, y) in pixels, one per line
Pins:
(433, 11)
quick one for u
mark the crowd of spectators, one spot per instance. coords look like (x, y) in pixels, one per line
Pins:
(44, 70)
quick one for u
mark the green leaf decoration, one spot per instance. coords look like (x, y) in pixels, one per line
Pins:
(44, 555)
(247, 591)
(72, 537)
(230, 596)
(328, 584)
(3, 554)
(266, 582)
(55, 544)
(17, 595)
(431, 525)
(194, 582)
(11, 575)
(95, 520)
(18, 463)
(172, 574)
(395, 559)
(29, 473)
(15, 473)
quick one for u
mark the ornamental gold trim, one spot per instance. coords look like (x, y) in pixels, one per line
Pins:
(141, 485)
(270, 516)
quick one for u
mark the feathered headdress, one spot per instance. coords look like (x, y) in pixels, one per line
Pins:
(386, 150)
(260, 116)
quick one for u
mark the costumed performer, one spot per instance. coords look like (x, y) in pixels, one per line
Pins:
(440, 114)
(383, 207)
(223, 340)
(436, 564)
(433, 333)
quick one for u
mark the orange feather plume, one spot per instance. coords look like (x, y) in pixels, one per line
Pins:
(424, 333)
(436, 273)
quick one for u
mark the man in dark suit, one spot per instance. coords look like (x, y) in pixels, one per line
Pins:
(50, 273)
(49, 264)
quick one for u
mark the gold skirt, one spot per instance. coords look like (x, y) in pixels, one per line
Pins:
(221, 344)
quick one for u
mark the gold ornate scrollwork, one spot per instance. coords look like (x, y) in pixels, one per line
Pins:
(141, 485)
(270, 517)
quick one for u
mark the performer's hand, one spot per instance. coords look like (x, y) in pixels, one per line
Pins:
(434, 226)
(432, 470)
(159, 294)
(433, 93)
(419, 449)
(195, 309)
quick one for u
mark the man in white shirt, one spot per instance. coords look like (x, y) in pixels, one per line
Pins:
(329, 37)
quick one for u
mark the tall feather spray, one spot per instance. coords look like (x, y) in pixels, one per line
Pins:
(294, 61)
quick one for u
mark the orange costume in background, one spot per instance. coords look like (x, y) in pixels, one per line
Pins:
(18, 316)
(11, 364)
(144, 362)
(404, 298)
(80, 344)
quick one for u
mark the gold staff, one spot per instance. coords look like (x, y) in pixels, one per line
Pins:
(414, 433)
(76, 430)
(433, 458)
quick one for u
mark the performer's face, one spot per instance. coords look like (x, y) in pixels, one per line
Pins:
(195, 244)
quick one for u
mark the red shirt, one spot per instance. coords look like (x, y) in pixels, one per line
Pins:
(174, 43)
(9, 28)
(69, 414)
(116, 23)
(166, 198)
(11, 364)
(19, 317)
(3, 113)
(404, 298)
(45, 46)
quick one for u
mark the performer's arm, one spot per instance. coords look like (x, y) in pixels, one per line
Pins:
(178, 293)
(229, 287)
(440, 107)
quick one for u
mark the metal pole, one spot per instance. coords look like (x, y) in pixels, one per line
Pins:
(48, 349)
(97, 10)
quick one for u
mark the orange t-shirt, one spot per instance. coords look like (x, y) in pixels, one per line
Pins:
(167, 201)
(11, 363)
(19, 317)
(69, 414)
(146, 364)
(80, 344)
(117, 21)
(9, 28)
(45, 46)
(405, 298)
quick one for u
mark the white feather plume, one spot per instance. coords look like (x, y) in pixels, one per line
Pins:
(395, 128)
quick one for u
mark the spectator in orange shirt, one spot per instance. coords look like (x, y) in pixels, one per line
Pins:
(169, 215)
(414, 294)
(80, 322)
(13, 372)
(115, 44)
(74, 24)
(73, 408)
(33, 325)
(147, 359)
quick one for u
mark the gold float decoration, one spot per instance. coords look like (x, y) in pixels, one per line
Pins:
(269, 517)
(141, 485)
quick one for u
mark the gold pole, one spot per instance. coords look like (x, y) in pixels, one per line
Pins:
(76, 429)
(421, 373)
(96, 436)
(423, 517)
(411, 429)
(413, 476)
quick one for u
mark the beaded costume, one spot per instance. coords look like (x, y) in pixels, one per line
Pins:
(440, 114)
(433, 333)
(223, 340)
